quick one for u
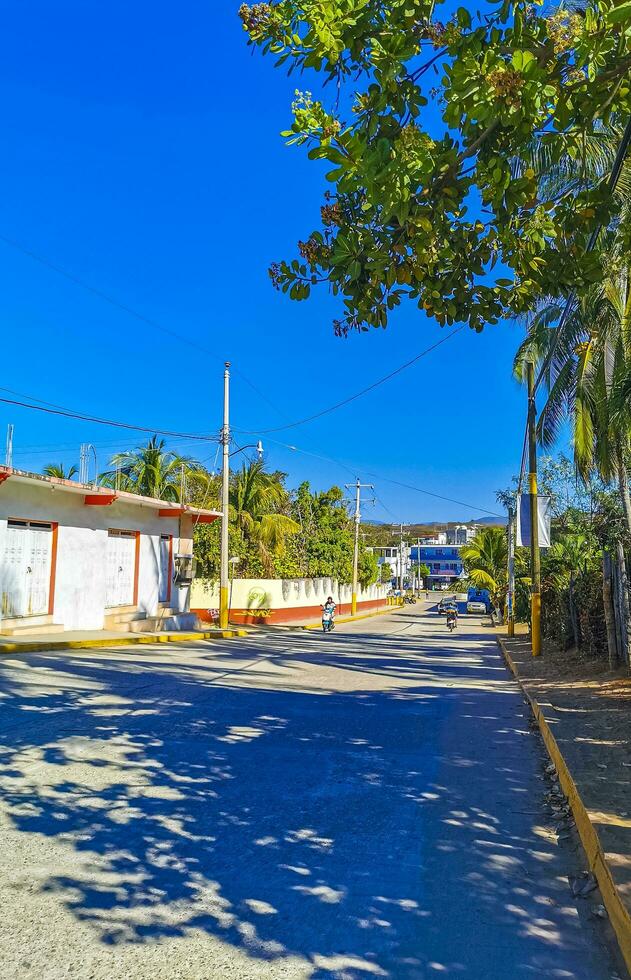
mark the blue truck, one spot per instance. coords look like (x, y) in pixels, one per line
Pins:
(478, 600)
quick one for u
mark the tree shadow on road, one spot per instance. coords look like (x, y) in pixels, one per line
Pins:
(356, 831)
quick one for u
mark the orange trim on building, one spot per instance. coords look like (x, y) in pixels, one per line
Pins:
(252, 617)
(53, 568)
(136, 568)
(99, 499)
(183, 512)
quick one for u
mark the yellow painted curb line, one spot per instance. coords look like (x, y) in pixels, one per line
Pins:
(353, 619)
(134, 639)
(616, 909)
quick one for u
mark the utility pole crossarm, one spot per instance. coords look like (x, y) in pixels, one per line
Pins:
(358, 489)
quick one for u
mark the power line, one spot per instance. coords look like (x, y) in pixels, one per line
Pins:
(438, 496)
(358, 394)
(258, 391)
(149, 321)
(95, 291)
(386, 479)
(110, 448)
(66, 413)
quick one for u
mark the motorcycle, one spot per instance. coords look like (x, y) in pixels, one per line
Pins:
(451, 623)
(327, 620)
(410, 600)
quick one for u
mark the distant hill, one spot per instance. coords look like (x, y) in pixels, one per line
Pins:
(381, 533)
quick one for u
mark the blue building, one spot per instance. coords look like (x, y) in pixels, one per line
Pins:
(443, 561)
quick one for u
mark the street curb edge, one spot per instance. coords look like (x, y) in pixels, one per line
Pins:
(40, 646)
(616, 909)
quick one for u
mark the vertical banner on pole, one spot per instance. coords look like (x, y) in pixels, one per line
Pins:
(523, 520)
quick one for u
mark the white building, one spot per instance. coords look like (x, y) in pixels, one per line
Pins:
(392, 556)
(76, 557)
(461, 533)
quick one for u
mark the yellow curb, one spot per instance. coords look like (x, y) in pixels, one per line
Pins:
(38, 646)
(353, 619)
(616, 909)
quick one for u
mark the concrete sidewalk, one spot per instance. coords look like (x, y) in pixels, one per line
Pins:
(92, 639)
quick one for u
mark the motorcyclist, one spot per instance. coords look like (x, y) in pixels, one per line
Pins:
(452, 616)
(328, 613)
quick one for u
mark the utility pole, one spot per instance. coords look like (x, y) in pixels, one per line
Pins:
(358, 489)
(399, 529)
(8, 459)
(535, 563)
(511, 572)
(224, 584)
(83, 463)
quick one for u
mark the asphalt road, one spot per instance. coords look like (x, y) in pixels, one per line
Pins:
(363, 804)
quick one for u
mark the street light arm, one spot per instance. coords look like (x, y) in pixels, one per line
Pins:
(258, 447)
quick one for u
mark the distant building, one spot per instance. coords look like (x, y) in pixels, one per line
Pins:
(391, 556)
(444, 563)
(461, 533)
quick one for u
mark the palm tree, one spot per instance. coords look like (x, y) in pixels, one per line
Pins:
(257, 504)
(153, 471)
(485, 561)
(588, 377)
(58, 471)
(588, 381)
(564, 560)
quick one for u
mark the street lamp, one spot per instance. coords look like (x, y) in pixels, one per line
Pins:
(258, 447)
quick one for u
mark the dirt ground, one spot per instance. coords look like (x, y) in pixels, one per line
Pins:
(588, 709)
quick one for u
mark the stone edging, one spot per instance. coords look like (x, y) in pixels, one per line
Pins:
(616, 909)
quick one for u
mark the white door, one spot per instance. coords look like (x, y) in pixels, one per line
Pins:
(26, 568)
(121, 568)
(165, 568)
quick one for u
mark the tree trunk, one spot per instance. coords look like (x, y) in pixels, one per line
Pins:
(573, 613)
(623, 486)
(623, 599)
(610, 624)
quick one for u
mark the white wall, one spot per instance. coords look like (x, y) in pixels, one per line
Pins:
(81, 548)
(281, 593)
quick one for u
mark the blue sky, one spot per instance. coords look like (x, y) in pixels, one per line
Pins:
(142, 154)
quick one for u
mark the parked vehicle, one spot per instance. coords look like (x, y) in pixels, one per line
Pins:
(477, 606)
(410, 599)
(478, 600)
